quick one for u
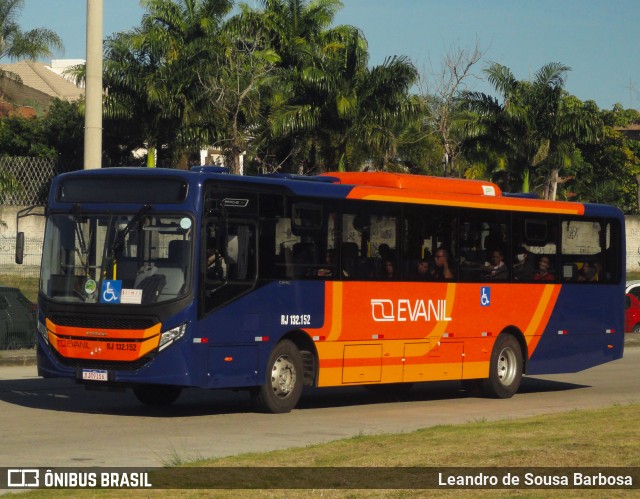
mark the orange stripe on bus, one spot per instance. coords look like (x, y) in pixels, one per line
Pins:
(540, 318)
(467, 201)
(123, 345)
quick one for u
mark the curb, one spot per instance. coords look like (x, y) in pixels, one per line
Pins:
(18, 357)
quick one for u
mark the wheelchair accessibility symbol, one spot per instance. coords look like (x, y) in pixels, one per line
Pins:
(485, 296)
(111, 291)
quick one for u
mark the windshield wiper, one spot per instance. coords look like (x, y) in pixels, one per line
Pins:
(118, 243)
(75, 211)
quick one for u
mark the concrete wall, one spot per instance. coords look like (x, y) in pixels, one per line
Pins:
(632, 229)
(33, 227)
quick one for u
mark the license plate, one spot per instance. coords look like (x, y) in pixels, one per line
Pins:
(95, 375)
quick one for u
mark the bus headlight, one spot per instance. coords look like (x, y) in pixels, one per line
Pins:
(171, 335)
(42, 329)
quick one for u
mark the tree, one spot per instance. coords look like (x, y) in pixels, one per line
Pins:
(441, 91)
(152, 73)
(384, 108)
(15, 44)
(235, 87)
(610, 168)
(21, 136)
(570, 123)
(299, 33)
(535, 123)
(326, 108)
(63, 130)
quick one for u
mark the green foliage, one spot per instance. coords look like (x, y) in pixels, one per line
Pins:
(620, 117)
(63, 130)
(322, 106)
(536, 126)
(24, 137)
(607, 172)
(153, 74)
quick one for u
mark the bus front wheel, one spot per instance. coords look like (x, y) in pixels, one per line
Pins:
(505, 371)
(282, 387)
(157, 395)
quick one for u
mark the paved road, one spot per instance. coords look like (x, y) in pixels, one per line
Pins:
(46, 423)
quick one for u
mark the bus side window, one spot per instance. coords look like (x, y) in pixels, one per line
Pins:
(582, 247)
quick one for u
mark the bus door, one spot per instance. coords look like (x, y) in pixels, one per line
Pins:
(229, 246)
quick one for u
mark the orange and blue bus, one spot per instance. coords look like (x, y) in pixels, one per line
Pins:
(159, 280)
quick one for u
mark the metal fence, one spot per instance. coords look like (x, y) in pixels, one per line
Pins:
(26, 180)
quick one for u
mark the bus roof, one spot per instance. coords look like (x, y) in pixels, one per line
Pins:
(422, 183)
(376, 186)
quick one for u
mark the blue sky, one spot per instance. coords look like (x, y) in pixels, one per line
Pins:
(598, 39)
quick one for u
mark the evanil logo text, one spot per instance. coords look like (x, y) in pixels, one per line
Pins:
(403, 310)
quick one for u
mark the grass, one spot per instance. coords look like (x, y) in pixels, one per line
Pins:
(28, 285)
(597, 438)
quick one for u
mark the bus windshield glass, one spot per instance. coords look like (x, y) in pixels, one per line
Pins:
(135, 258)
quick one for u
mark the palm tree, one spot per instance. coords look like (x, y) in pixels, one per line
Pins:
(327, 108)
(570, 122)
(153, 73)
(296, 31)
(535, 124)
(383, 109)
(15, 43)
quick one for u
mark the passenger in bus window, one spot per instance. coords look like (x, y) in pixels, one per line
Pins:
(599, 274)
(424, 270)
(442, 271)
(587, 273)
(496, 269)
(544, 270)
(388, 269)
(525, 266)
(379, 264)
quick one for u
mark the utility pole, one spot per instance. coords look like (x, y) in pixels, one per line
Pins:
(93, 89)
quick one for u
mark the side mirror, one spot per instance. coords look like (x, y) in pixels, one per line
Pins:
(19, 247)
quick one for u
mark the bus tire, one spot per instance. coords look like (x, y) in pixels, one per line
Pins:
(505, 370)
(282, 386)
(157, 395)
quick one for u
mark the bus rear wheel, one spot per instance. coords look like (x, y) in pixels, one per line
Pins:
(157, 395)
(282, 387)
(505, 370)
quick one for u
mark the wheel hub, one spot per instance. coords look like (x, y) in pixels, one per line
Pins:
(507, 366)
(283, 377)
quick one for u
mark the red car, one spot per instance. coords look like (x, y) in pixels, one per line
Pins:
(632, 308)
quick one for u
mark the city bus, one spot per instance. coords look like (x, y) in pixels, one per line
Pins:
(160, 279)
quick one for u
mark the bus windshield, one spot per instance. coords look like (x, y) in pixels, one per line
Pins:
(133, 258)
